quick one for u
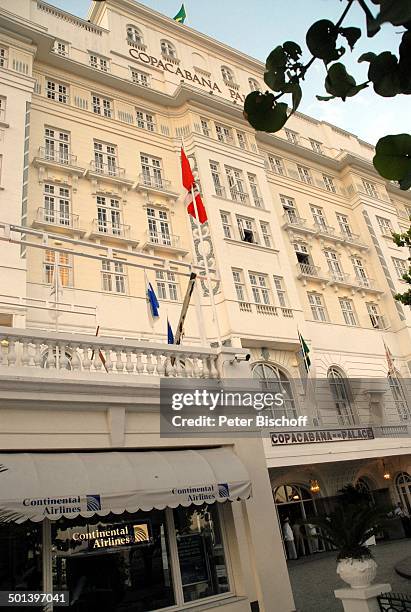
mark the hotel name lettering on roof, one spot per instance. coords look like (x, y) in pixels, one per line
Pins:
(155, 62)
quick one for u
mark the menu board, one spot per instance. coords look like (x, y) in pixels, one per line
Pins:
(193, 559)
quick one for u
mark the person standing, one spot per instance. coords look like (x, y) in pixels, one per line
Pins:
(289, 539)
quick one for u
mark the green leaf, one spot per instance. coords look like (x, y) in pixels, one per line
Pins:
(264, 113)
(392, 158)
(275, 79)
(397, 12)
(293, 50)
(276, 59)
(321, 40)
(367, 57)
(339, 83)
(351, 35)
(384, 74)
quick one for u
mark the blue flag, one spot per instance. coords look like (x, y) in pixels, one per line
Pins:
(170, 335)
(152, 298)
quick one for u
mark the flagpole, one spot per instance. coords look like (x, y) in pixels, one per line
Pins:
(207, 269)
(56, 302)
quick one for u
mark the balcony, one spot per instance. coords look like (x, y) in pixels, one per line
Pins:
(360, 284)
(40, 354)
(109, 172)
(307, 271)
(295, 222)
(322, 229)
(239, 196)
(113, 232)
(258, 201)
(150, 183)
(266, 309)
(62, 223)
(137, 45)
(155, 241)
(53, 158)
(220, 192)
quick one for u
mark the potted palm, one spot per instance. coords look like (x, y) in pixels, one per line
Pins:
(347, 529)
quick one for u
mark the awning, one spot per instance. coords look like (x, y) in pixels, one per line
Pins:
(50, 485)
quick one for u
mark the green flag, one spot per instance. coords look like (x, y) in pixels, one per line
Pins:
(305, 352)
(181, 15)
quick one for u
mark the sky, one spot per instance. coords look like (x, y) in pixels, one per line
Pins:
(255, 27)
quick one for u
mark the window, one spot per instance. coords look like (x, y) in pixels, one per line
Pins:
(109, 216)
(64, 264)
(344, 225)
(113, 276)
(158, 226)
(258, 201)
(198, 528)
(274, 380)
(401, 266)
(334, 265)
(291, 136)
(385, 226)
(266, 233)
(260, 288)
(340, 392)
(317, 306)
(102, 106)
(329, 183)
(360, 273)
(140, 78)
(289, 208)
(105, 158)
(135, 36)
(145, 120)
(254, 85)
(3, 103)
(304, 258)
(305, 175)
(376, 318)
(370, 188)
(57, 91)
(56, 205)
(242, 140)
(399, 397)
(319, 218)
(3, 57)
(403, 485)
(57, 145)
(228, 75)
(247, 230)
(216, 176)
(316, 146)
(152, 171)
(168, 50)
(61, 48)
(224, 134)
(167, 287)
(239, 285)
(205, 127)
(226, 222)
(347, 308)
(280, 291)
(236, 185)
(276, 164)
(98, 62)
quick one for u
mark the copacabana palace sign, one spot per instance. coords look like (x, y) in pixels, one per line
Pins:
(155, 62)
(285, 438)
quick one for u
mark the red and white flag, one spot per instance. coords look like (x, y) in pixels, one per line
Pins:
(195, 207)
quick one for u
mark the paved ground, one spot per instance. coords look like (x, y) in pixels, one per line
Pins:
(314, 579)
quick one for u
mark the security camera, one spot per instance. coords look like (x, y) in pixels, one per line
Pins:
(238, 358)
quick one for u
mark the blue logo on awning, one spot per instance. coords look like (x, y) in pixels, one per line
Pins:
(93, 503)
(223, 490)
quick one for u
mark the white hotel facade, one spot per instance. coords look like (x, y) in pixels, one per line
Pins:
(92, 116)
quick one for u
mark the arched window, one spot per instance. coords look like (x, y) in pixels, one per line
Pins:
(403, 485)
(134, 35)
(168, 49)
(273, 380)
(228, 75)
(340, 393)
(399, 396)
(254, 85)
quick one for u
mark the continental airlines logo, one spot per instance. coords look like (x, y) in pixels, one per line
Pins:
(203, 493)
(65, 505)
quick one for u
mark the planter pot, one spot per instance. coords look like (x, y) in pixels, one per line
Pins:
(358, 573)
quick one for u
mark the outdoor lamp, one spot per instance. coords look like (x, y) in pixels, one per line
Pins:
(386, 474)
(315, 486)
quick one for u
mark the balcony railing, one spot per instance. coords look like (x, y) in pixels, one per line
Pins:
(239, 196)
(2, 114)
(366, 283)
(137, 45)
(266, 309)
(167, 240)
(258, 201)
(308, 270)
(56, 217)
(220, 191)
(57, 156)
(25, 350)
(339, 277)
(324, 229)
(155, 182)
(226, 139)
(107, 169)
(354, 239)
(108, 228)
(294, 220)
